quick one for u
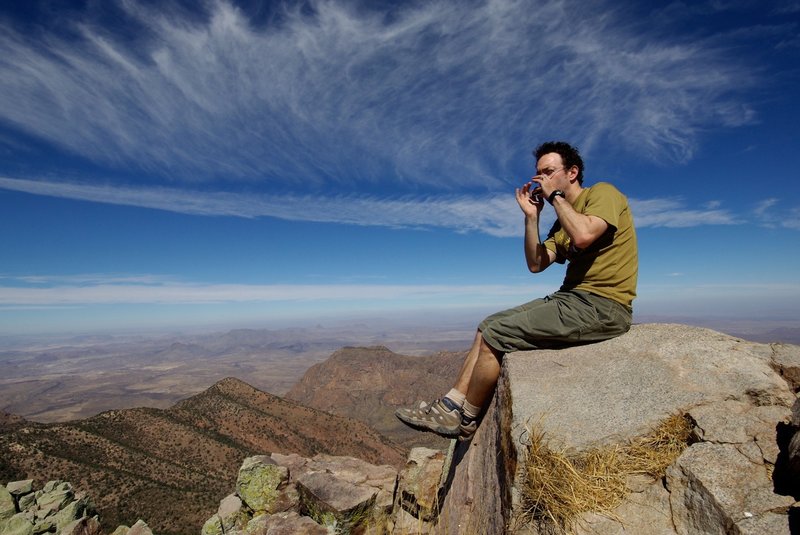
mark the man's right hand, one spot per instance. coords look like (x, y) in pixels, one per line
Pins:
(531, 207)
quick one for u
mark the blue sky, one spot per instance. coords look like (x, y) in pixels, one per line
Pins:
(184, 163)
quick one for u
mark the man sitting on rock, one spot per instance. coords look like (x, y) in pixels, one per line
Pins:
(594, 233)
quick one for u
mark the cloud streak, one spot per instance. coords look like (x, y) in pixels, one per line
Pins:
(495, 215)
(673, 213)
(177, 293)
(17, 293)
(437, 96)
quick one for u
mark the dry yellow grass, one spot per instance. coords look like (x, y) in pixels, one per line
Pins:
(560, 486)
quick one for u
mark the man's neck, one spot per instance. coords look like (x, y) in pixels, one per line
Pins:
(573, 193)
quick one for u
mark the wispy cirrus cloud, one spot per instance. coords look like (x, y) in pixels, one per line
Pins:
(674, 213)
(437, 95)
(793, 220)
(60, 293)
(83, 280)
(772, 213)
(496, 215)
(492, 214)
(108, 290)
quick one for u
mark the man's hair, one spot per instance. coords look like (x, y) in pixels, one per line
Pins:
(569, 155)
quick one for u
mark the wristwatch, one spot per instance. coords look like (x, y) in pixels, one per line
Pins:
(556, 193)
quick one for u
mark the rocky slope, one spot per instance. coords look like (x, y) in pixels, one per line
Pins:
(369, 383)
(172, 466)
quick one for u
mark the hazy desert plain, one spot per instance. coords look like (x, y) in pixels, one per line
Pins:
(54, 380)
(49, 379)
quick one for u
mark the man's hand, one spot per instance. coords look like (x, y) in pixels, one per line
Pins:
(531, 207)
(546, 183)
(536, 255)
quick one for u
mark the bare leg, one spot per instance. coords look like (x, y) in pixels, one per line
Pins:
(476, 380)
(464, 376)
(479, 373)
(485, 372)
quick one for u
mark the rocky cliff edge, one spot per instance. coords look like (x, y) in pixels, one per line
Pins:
(666, 430)
(733, 475)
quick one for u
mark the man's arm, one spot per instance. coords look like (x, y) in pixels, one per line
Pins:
(537, 256)
(582, 229)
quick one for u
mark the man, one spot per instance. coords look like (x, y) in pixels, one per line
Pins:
(594, 233)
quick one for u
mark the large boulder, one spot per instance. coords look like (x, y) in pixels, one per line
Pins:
(619, 389)
(736, 396)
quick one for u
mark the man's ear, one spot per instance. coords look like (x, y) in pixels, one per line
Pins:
(573, 172)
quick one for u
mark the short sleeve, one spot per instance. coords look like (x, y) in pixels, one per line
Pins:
(605, 202)
(552, 242)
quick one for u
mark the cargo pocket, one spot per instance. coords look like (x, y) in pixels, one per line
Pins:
(616, 318)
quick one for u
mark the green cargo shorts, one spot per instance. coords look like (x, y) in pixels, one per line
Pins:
(561, 319)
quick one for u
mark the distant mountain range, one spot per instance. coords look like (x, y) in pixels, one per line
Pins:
(369, 383)
(134, 461)
(69, 379)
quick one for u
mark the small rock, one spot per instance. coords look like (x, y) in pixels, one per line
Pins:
(229, 512)
(418, 483)
(27, 501)
(767, 523)
(212, 526)
(140, 528)
(334, 502)
(56, 484)
(83, 526)
(407, 524)
(17, 525)
(53, 500)
(291, 461)
(7, 506)
(259, 482)
(71, 512)
(287, 523)
(20, 488)
(711, 485)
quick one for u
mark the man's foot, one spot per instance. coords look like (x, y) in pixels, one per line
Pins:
(467, 428)
(436, 417)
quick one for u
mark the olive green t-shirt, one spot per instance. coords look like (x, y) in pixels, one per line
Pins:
(608, 267)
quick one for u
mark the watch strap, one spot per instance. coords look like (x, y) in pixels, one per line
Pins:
(556, 193)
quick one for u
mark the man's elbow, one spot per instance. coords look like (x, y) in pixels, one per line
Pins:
(583, 240)
(587, 235)
(538, 267)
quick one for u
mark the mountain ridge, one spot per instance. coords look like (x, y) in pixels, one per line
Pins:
(133, 461)
(369, 383)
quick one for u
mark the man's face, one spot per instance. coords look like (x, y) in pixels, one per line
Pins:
(551, 168)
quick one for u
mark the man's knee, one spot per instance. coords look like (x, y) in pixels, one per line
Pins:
(487, 349)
